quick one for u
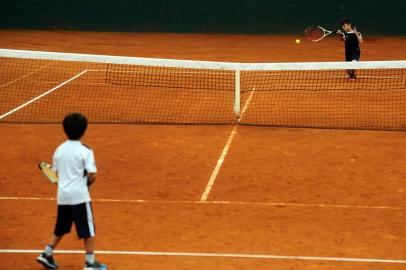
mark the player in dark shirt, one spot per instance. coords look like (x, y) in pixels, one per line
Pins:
(352, 39)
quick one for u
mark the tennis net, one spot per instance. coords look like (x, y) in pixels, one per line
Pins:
(41, 87)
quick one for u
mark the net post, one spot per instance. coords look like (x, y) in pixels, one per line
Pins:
(237, 94)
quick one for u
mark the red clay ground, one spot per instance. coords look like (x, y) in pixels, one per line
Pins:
(244, 48)
(170, 166)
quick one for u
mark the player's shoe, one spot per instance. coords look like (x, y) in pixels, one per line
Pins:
(95, 266)
(47, 261)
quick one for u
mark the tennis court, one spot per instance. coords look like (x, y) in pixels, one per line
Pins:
(207, 196)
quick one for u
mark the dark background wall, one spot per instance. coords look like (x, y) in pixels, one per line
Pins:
(210, 16)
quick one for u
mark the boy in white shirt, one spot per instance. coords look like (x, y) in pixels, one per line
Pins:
(76, 168)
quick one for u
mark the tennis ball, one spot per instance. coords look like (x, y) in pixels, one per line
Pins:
(297, 41)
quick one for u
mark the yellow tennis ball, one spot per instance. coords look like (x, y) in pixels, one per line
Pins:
(297, 41)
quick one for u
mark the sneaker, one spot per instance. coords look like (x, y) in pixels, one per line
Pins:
(47, 261)
(95, 266)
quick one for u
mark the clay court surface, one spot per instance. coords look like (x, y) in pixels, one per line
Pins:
(280, 191)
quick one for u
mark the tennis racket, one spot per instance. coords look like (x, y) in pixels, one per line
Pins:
(317, 33)
(46, 170)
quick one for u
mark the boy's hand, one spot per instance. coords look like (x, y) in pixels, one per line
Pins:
(341, 34)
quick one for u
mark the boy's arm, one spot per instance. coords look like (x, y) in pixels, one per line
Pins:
(358, 34)
(90, 167)
(91, 178)
(341, 34)
(54, 163)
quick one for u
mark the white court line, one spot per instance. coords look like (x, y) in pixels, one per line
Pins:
(24, 76)
(220, 161)
(42, 95)
(221, 255)
(224, 153)
(247, 103)
(231, 203)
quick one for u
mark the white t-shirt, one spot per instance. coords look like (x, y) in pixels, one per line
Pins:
(70, 160)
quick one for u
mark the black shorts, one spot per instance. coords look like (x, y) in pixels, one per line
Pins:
(80, 214)
(352, 57)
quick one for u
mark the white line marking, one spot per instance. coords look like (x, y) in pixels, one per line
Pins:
(223, 155)
(218, 165)
(275, 204)
(42, 95)
(247, 103)
(24, 76)
(222, 255)
(27, 199)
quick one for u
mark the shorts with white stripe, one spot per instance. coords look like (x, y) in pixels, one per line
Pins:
(80, 214)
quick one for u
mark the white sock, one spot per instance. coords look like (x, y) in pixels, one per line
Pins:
(49, 250)
(90, 257)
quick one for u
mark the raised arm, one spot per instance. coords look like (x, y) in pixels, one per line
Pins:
(358, 34)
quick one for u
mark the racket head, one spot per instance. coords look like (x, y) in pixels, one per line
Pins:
(316, 33)
(47, 171)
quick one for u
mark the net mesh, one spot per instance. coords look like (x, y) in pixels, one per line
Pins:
(115, 93)
(43, 87)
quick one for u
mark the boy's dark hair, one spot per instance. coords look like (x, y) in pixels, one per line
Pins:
(74, 125)
(345, 21)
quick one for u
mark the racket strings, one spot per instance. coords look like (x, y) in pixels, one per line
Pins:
(48, 172)
(314, 33)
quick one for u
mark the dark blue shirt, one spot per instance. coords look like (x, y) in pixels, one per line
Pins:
(351, 43)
